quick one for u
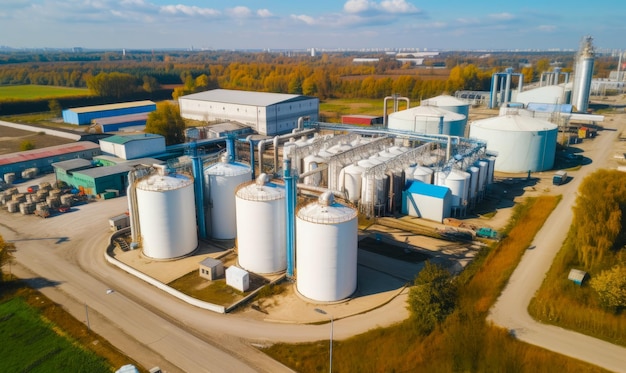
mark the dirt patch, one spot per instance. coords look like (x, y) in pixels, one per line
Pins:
(12, 138)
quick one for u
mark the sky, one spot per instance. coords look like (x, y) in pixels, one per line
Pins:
(319, 24)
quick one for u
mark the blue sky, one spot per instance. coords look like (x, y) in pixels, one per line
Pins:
(320, 24)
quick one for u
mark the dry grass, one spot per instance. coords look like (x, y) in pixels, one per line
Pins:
(464, 341)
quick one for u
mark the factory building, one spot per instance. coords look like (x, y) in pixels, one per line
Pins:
(84, 115)
(267, 113)
(133, 146)
(91, 180)
(42, 159)
(362, 120)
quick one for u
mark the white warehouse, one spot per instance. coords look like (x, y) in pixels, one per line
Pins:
(267, 113)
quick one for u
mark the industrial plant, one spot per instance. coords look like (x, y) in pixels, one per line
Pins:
(288, 197)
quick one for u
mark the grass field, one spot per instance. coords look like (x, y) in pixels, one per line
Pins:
(30, 92)
(38, 335)
(38, 345)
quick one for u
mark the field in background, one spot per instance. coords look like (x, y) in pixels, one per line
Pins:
(30, 92)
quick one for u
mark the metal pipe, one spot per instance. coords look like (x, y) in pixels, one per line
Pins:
(320, 190)
(251, 142)
(290, 202)
(275, 144)
(230, 149)
(198, 186)
(314, 171)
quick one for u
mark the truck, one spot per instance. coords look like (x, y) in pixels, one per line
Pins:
(559, 177)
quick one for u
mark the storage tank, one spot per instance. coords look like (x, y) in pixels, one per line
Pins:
(492, 168)
(423, 174)
(312, 162)
(352, 179)
(483, 171)
(167, 215)
(457, 181)
(522, 143)
(474, 177)
(220, 182)
(261, 237)
(449, 103)
(326, 250)
(428, 120)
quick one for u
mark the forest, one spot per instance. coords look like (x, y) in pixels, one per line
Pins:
(329, 75)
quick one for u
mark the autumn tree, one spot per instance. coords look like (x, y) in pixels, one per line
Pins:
(432, 298)
(55, 107)
(6, 254)
(150, 84)
(112, 84)
(167, 122)
(611, 287)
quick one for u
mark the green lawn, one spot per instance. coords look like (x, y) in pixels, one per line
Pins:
(29, 92)
(31, 343)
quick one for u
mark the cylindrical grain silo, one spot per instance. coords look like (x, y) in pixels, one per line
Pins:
(167, 215)
(522, 143)
(310, 163)
(261, 238)
(429, 120)
(474, 176)
(326, 251)
(352, 179)
(457, 181)
(449, 103)
(220, 182)
(423, 174)
(483, 171)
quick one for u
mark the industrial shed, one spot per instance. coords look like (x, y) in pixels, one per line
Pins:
(84, 115)
(43, 158)
(267, 113)
(362, 120)
(428, 201)
(93, 180)
(112, 124)
(133, 146)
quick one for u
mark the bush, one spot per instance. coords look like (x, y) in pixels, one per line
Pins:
(611, 287)
(27, 145)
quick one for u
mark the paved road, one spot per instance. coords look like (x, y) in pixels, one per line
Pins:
(510, 311)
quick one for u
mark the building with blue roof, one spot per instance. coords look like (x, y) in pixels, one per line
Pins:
(427, 201)
(85, 115)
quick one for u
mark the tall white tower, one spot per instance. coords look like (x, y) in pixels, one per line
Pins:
(582, 75)
(312, 52)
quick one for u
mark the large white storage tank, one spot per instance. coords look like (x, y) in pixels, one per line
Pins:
(522, 143)
(167, 215)
(261, 238)
(448, 102)
(429, 120)
(220, 182)
(326, 250)
(458, 183)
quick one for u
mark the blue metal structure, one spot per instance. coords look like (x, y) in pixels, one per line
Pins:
(290, 191)
(198, 187)
(84, 115)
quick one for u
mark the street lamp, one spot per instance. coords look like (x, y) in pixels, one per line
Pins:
(330, 366)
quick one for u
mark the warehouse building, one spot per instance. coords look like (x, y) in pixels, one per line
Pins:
(362, 120)
(90, 180)
(122, 122)
(133, 146)
(42, 159)
(84, 115)
(267, 113)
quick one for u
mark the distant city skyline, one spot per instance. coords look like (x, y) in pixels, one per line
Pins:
(322, 24)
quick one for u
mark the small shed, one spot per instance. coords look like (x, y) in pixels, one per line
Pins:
(119, 222)
(577, 276)
(211, 269)
(237, 278)
(428, 201)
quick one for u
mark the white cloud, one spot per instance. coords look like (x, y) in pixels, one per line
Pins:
(240, 12)
(398, 6)
(546, 28)
(264, 13)
(502, 16)
(385, 6)
(180, 9)
(304, 18)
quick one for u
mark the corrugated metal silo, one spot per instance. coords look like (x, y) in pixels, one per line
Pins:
(428, 120)
(448, 102)
(261, 238)
(326, 253)
(167, 217)
(220, 182)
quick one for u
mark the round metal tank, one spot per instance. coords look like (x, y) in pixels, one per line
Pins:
(352, 178)
(261, 237)
(326, 250)
(220, 182)
(312, 162)
(428, 120)
(457, 182)
(167, 216)
(448, 102)
(423, 174)
(483, 167)
(492, 167)
(474, 176)
(522, 143)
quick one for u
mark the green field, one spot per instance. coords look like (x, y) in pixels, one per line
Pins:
(33, 344)
(30, 92)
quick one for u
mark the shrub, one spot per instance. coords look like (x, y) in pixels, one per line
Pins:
(27, 145)
(611, 287)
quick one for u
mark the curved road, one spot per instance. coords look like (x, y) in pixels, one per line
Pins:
(511, 309)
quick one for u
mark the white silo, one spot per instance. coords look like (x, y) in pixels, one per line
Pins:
(326, 250)
(483, 172)
(492, 168)
(423, 174)
(352, 179)
(167, 217)
(310, 163)
(428, 120)
(474, 177)
(583, 75)
(261, 238)
(448, 102)
(220, 182)
(457, 181)
(522, 143)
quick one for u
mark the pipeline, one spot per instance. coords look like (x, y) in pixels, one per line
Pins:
(290, 191)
